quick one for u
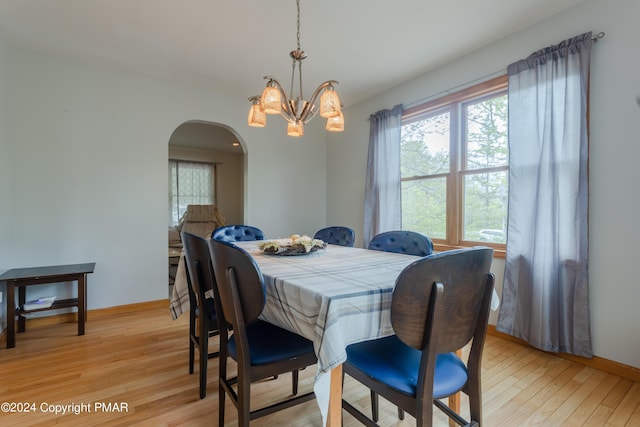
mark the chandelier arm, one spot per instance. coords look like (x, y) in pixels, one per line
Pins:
(319, 89)
(287, 113)
(308, 113)
(309, 107)
(286, 116)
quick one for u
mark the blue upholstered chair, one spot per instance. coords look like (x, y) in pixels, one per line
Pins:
(337, 235)
(202, 312)
(260, 349)
(237, 233)
(440, 303)
(402, 242)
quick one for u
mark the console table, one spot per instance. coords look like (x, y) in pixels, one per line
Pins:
(22, 277)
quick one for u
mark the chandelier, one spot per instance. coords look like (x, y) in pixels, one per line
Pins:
(297, 111)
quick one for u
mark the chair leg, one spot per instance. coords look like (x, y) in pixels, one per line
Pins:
(203, 351)
(192, 351)
(221, 396)
(222, 379)
(374, 406)
(294, 376)
(475, 405)
(192, 355)
(203, 374)
(244, 408)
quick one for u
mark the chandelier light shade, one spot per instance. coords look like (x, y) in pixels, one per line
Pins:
(257, 116)
(271, 101)
(297, 111)
(335, 123)
(329, 103)
(295, 128)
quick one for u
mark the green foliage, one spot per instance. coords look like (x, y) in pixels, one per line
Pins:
(425, 152)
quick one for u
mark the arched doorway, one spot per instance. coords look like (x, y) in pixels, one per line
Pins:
(216, 146)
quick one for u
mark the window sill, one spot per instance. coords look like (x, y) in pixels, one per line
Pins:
(499, 251)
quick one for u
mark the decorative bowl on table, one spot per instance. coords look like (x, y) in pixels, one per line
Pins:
(293, 245)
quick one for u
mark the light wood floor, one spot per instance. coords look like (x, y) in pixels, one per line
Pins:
(138, 363)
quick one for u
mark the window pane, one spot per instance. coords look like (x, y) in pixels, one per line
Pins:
(485, 207)
(194, 185)
(486, 133)
(424, 206)
(454, 165)
(173, 193)
(190, 183)
(425, 146)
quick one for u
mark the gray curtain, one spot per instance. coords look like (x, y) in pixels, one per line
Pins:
(382, 210)
(545, 298)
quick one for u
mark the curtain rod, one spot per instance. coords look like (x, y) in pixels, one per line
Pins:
(594, 37)
(457, 88)
(489, 76)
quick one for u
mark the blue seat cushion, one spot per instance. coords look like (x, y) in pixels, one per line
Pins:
(392, 362)
(269, 343)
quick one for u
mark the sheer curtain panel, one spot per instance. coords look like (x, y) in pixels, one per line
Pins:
(545, 297)
(190, 183)
(382, 208)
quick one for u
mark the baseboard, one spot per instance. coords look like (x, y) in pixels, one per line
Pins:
(97, 313)
(600, 363)
(128, 308)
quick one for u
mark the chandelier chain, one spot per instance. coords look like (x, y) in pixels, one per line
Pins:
(298, 24)
(300, 53)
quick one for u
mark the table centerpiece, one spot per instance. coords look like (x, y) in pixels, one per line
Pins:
(292, 245)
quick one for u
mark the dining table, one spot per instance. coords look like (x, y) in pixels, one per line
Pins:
(334, 297)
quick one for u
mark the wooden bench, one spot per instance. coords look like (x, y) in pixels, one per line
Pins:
(22, 277)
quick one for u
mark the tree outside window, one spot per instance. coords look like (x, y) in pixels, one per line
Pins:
(454, 167)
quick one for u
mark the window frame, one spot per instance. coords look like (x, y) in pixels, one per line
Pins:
(453, 103)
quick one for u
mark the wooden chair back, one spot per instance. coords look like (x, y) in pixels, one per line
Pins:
(462, 305)
(232, 265)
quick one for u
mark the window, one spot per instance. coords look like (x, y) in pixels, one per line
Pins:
(454, 167)
(190, 183)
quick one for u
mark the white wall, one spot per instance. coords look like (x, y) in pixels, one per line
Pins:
(6, 177)
(89, 158)
(615, 150)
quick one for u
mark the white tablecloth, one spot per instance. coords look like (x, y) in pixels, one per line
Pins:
(334, 297)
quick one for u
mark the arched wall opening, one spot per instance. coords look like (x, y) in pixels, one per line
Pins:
(218, 144)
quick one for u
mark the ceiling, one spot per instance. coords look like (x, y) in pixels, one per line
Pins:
(367, 45)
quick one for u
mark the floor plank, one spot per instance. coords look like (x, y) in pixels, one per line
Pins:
(132, 369)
